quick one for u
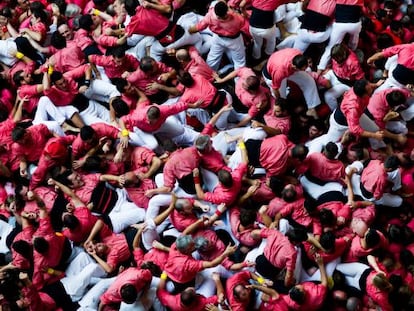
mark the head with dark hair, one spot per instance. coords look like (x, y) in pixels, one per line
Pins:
(395, 233)
(396, 27)
(130, 6)
(93, 164)
(70, 221)
(316, 128)
(241, 293)
(22, 77)
(247, 217)
(57, 40)
(203, 143)
(87, 133)
(186, 79)
(297, 294)
(86, 22)
(331, 150)
(300, 151)
(276, 185)
(18, 134)
(310, 205)
(384, 41)
(120, 107)
(372, 238)
(39, 14)
(221, 9)
(56, 76)
(23, 248)
(297, 235)
(225, 178)
(121, 84)
(327, 218)
(252, 84)
(395, 98)
(360, 87)
(300, 62)
(391, 163)
(340, 53)
(381, 282)
(188, 296)
(147, 64)
(129, 293)
(152, 267)
(118, 54)
(289, 193)
(327, 241)
(40, 245)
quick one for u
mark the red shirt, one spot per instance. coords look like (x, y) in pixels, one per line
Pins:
(240, 278)
(148, 22)
(182, 268)
(226, 195)
(112, 70)
(68, 58)
(274, 304)
(228, 27)
(353, 107)
(380, 298)
(61, 97)
(314, 297)
(275, 153)
(173, 302)
(197, 65)
(278, 250)
(86, 223)
(141, 79)
(154, 255)
(324, 7)
(118, 249)
(29, 91)
(182, 221)
(356, 251)
(90, 182)
(139, 278)
(279, 65)
(324, 169)
(405, 54)
(374, 178)
(350, 69)
(338, 208)
(281, 123)
(202, 89)
(18, 260)
(244, 237)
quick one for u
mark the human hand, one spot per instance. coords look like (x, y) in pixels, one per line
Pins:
(196, 172)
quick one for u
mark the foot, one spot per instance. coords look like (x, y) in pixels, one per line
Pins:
(69, 128)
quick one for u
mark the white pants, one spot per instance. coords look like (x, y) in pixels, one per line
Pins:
(101, 90)
(141, 304)
(5, 230)
(125, 213)
(260, 34)
(329, 267)
(139, 47)
(234, 49)
(315, 190)
(79, 273)
(353, 272)
(339, 30)
(95, 113)
(7, 50)
(306, 37)
(46, 111)
(90, 301)
(337, 90)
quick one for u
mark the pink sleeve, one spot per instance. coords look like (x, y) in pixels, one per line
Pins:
(169, 179)
(107, 41)
(353, 123)
(77, 73)
(204, 23)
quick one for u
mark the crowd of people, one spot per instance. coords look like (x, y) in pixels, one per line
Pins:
(206, 155)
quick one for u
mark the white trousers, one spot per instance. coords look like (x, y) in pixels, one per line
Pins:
(90, 301)
(306, 37)
(47, 111)
(353, 272)
(339, 30)
(7, 50)
(259, 35)
(95, 113)
(101, 90)
(337, 90)
(234, 49)
(315, 190)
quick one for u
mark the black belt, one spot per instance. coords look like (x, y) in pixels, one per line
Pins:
(340, 117)
(261, 19)
(266, 73)
(314, 179)
(403, 74)
(348, 82)
(230, 37)
(365, 192)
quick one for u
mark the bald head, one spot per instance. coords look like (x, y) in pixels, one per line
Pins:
(182, 55)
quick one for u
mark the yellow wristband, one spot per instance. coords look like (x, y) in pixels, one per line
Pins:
(260, 280)
(242, 146)
(19, 55)
(96, 12)
(50, 70)
(163, 276)
(50, 271)
(125, 133)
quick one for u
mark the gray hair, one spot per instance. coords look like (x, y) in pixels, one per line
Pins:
(183, 243)
(202, 142)
(201, 243)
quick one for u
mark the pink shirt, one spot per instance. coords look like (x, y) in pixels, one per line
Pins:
(350, 69)
(139, 118)
(118, 249)
(82, 39)
(314, 297)
(405, 54)
(374, 178)
(154, 255)
(90, 182)
(379, 107)
(198, 65)
(139, 278)
(228, 27)
(86, 223)
(182, 221)
(240, 278)
(173, 302)
(68, 58)
(324, 169)
(33, 96)
(275, 153)
(147, 22)
(356, 251)
(112, 70)
(380, 298)
(180, 164)
(279, 65)
(202, 89)
(324, 7)
(61, 97)
(182, 268)
(353, 107)
(351, 2)
(6, 127)
(278, 250)
(244, 237)
(141, 79)
(18, 260)
(338, 208)
(281, 123)
(226, 195)
(297, 211)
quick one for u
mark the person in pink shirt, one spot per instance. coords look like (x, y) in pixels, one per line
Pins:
(277, 121)
(226, 25)
(191, 61)
(127, 287)
(363, 246)
(21, 255)
(116, 65)
(346, 69)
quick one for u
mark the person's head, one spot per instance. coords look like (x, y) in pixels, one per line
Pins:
(101, 249)
(221, 9)
(395, 98)
(340, 53)
(186, 79)
(289, 193)
(40, 245)
(297, 235)
(300, 62)
(225, 178)
(22, 77)
(65, 31)
(86, 22)
(57, 40)
(299, 152)
(182, 56)
(362, 88)
(276, 184)
(397, 28)
(188, 296)
(185, 244)
(381, 282)
(70, 221)
(251, 84)
(59, 80)
(327, 218)
(353, 304)
(118, 55)
(327, 241)
(120, 107)
(38, 15)
(247, 217)
(128, 293)
(23, 248)
(75, 180)
(280, 109)
(331, 150)
(391, 163)
(241, 293)
(19, 135)
(184, 206)
(316, 128)
(203, 143)
(147, 64)
(119, 7)
(390, 8)
(297, 294)
(202, 244)
(153, 114)
(372, 238)
(123, 86)
(87, 134)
